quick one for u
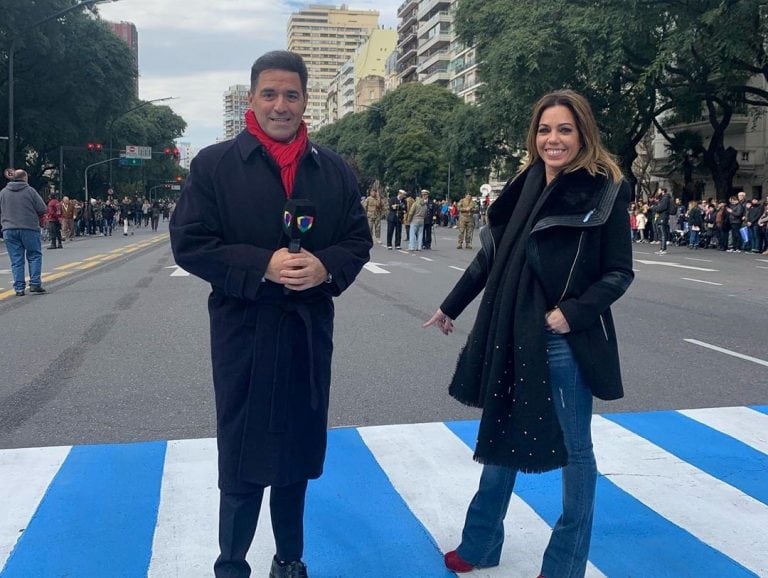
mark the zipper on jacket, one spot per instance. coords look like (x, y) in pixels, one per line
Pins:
(605, 331)
(573, 266)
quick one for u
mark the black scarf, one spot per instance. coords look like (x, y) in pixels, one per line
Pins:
(503, 366)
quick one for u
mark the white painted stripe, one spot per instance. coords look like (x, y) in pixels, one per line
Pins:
(713, 511)
(457, 268)
(700, 281)
(676, 265)
(414, 458)
(186, 535)
(762, 260)
(403, 251)
(759, 267)
(728, 352)
(702, 260)
(25, 475)
(427, 259)
(374, 268)
(742, 423)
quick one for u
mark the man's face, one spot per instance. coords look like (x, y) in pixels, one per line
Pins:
(278, 103)
(741, 196)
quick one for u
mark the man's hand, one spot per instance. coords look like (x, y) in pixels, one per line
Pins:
(297, 271)
(442, 321)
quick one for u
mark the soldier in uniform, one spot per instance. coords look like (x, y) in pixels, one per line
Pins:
(467, 209)
(374, 209)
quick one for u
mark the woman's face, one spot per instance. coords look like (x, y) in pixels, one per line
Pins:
(557, 139)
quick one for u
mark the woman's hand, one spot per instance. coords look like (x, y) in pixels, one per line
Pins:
(442, 321)
(556, 322)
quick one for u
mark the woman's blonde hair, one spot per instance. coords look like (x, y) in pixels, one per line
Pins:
(592, 156)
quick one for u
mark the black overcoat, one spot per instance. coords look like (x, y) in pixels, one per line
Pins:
(271, 351)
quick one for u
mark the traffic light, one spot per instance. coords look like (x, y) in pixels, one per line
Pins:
(95, 147)
(172, 153)
(178, 178)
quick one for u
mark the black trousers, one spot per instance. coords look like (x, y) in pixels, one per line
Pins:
(54, 233)
(395, 229)
(427, 236)
(238, 516)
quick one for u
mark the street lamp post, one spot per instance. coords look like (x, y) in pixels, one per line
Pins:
(121, 115)
(12, 51)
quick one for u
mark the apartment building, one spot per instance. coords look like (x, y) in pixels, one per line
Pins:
(327, 37)
(127, 32)
(428, 50)
(235, 104)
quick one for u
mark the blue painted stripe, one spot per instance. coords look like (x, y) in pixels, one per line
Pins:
(714, 452)
(760, 408)
(628, 539)
(98, 516)
(356, 524)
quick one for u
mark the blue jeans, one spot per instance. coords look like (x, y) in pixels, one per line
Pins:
(417, 237)
(568, 549)
(21, 242)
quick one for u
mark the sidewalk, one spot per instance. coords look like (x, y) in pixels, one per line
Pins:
(680, 494)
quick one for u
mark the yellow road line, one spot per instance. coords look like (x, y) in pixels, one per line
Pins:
(88, 265)
(94, 257)
(68, 266)
(53, 276)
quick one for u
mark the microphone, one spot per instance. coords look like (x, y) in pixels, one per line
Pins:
(298, 218)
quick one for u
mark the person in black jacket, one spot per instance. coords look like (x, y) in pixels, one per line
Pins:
(556, 254)
(695, 224)
(753, 214)
(735, 212)
(396, 208)
(662, 211)
(271, 310)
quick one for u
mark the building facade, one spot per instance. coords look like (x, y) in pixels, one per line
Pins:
(327, 37)
(235, 104)
(128, 33)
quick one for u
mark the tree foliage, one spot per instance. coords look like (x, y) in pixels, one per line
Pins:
(73, 78)
(639, 62)
(408, 139)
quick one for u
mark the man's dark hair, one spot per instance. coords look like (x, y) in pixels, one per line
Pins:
(280, 60)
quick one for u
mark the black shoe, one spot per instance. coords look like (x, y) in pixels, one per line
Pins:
(20, 293)
(37, 289)
(289, 570)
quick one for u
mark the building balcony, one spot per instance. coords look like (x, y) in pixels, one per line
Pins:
(439, 76)
(407, 20)
(739, 123)
(407, 73)
(443, 17)
(439, 42)
(427, 8)
(406, 39)
(407, 5)
(426, 62)
(405, 56)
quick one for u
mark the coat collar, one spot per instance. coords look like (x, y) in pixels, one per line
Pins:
(247, 144)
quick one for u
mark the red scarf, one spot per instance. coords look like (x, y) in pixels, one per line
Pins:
(286, 155)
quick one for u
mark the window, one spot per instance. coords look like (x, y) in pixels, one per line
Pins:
(745, 156)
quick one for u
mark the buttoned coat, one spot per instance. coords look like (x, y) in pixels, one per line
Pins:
(270, 349)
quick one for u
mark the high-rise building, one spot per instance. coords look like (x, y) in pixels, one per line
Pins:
(326, 37)
(235, 105)
(128, 33)
(429, 51)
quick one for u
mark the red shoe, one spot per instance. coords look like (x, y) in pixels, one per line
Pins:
(454, 562)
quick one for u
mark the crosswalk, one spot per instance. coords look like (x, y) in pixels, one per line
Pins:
(681, 493)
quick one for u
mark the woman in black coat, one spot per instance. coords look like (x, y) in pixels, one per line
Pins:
(557, 253)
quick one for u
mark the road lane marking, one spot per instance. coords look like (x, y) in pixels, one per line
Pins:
(700, 281)
(427, 259)
(90, 265)
(375, 268)
(68, 266)
(178, 271)
(457, 268)
(676, 265)
(695, 259)
(728, 352)
(53, 276)
(759, 267)
(93, 258)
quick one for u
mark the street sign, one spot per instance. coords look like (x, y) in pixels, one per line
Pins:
(138, 152)
(130, 162)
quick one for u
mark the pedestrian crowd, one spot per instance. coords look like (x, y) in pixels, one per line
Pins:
(736, 226)
(26, 221)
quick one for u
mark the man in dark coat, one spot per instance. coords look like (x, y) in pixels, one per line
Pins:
(270, 309)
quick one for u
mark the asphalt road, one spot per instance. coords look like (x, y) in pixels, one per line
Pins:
(118, 348)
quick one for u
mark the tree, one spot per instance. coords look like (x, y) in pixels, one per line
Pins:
(71, 75)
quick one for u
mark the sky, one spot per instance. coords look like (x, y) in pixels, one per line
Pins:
(195, 49)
